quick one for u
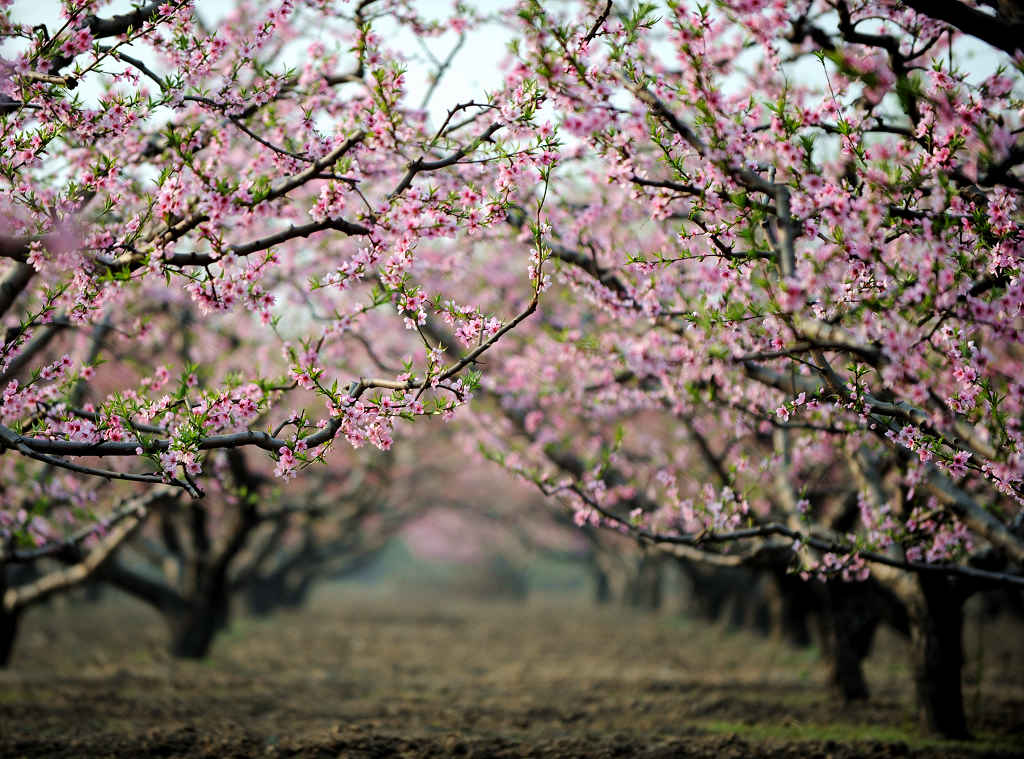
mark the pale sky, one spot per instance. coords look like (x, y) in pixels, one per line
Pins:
(476, 68)
(474, 71)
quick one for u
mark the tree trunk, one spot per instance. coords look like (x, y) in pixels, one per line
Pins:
(264, 594)
(194, 626)
(8, 634)
(8, 620)
(854, 614)
(193, 630)
(795, 605)
(936, 636)
(644, 589)
(711, 587)
(602, 587)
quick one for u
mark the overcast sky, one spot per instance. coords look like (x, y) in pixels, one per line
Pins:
(475, 69)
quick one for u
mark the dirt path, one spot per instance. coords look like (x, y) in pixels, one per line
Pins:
(377, 677)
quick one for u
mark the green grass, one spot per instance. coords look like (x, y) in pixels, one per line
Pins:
(850, 733)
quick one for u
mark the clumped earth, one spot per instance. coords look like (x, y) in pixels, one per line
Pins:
(381, 676)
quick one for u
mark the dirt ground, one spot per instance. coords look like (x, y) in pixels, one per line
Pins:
(379, 676)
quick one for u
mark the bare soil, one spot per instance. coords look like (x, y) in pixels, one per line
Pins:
(379, 676)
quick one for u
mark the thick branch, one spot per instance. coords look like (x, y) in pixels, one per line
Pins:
(419, 165)
(973, 514)
(117, 25)
(136, 506)
(1007, 37)
(782, 553)
(13, 284)
(36, 345)
(44, 587)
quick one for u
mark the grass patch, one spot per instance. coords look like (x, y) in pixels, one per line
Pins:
(11, 697)
(849, 733)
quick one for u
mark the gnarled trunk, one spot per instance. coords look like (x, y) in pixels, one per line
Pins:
(196, 617)
(8, 634)
(852, 621)
(644, 588)
(287, 588)
(712, 588)
(9, 618)
(602, 586)
(936, 636)
(792, 604)
(194, 627)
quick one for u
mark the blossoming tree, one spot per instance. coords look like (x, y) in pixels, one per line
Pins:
(787, 330)
(155, 170)
(204, 248)
(785, 327)
(218, 175)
